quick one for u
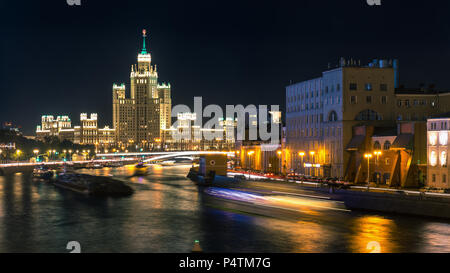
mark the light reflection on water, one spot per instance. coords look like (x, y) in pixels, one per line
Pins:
(168, 212)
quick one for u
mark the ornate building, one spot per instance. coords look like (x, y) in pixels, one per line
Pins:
(140, 119)
(85, 133)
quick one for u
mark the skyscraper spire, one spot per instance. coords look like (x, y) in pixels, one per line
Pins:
(144, 50)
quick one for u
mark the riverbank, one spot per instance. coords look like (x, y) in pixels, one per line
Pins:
(358, 198)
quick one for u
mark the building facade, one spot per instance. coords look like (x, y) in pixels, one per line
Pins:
(87, 132)
(140, 119)
(438, 129)
(184, 135)
(322, 112)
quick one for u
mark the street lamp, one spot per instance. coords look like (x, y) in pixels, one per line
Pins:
(18, 152)
(312, 161)
(279, 161)
(301, 154)
(249, 153)
(368, 156)
(377, 153)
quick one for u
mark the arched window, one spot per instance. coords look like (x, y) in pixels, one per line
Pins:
(368, 115)
(332, 116)
(387, 145)
(377, 145)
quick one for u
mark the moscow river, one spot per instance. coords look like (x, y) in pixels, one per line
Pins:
(167, 213)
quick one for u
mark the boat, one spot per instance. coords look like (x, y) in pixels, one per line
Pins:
(167, 163)
(42, 172)
(92, 185)
(140, 169)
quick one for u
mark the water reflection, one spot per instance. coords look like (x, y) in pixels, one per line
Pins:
(368, 229)
(168, 212)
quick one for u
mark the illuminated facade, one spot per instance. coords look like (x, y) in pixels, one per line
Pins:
(140, 119)
(438, 130)
(263, 156)
(192, 137)
(85, 133)
(322, 112)
(394, 156)
(52, 127)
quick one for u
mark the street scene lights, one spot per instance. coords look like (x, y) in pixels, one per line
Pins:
(312, 161)
(377, 154)
(368, 156)
(301, 154)
(279, 153)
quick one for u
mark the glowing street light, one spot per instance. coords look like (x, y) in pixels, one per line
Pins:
(368, 156)
(377, 153)
(302, 154)
(312, 161)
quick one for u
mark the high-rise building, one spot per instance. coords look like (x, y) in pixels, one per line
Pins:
(140, 119)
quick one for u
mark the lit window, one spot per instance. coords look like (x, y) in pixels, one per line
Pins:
(443, 138)
(443, 159)
(433, 158)
(432, 138)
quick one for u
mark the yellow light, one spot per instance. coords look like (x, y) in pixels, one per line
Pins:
(377, 152)
(301, 153)
(312, 153)
(279, 152)
(368, 155)
(70, 151)
(18, 152)
(36, 151)
(251, 152)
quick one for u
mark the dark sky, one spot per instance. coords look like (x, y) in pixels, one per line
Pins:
(57, 59)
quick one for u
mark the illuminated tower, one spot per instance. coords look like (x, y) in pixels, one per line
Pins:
(144, 80)
(140, 119)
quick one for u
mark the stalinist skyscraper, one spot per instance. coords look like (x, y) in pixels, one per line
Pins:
(139, 119)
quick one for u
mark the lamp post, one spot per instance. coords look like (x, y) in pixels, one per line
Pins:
(18, 153)
(368, 156)
(249, 153)
(301, 154)
(36, 152)
(279, 153)
(312, 161)
(377, 153)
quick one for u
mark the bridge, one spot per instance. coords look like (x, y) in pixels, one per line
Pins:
(155, 156)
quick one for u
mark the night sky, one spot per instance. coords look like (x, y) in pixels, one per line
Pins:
(57, 59)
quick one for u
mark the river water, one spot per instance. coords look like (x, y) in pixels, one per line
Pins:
(167, 213)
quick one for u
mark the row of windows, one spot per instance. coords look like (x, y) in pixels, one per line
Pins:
(443, 125)
(315, 132)
(312, 106)
(369, 100)
(444, 178)
(311, 94)
(386, 145)
(416, 102)
(368, 87)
